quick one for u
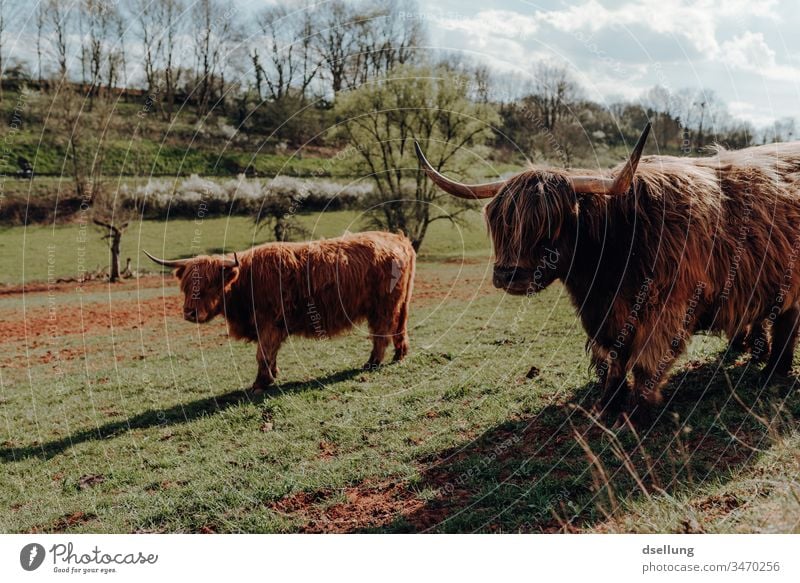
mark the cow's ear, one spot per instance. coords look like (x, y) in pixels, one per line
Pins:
(230, 274)
(179, 271)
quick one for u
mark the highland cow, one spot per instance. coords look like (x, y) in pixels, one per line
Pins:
(667, 246)
(317, 290)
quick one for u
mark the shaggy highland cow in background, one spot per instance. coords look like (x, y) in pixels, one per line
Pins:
(654, 254)
(317, 290)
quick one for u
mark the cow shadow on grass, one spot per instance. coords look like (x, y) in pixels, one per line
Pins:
(177, 414)
(560, 471)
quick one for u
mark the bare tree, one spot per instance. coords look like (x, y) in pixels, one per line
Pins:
(3, 9)
(41, 19)
(118, 54)
(290, 63)
(215, 28)
(173, 26)
(150, 17)
(336, 40)
(554, 92)
(782, 130)
(113, 217)
(660, 103)
(60, 21)
(98, 15)
(388, 38)
(114, 236)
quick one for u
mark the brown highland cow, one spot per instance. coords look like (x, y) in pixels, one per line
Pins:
(664, 248)
(317, 290)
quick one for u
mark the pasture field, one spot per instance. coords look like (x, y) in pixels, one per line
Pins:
(26, 253)
(118, 416)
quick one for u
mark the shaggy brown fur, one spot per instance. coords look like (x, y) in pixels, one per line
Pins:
(696, 242)
(317, 290)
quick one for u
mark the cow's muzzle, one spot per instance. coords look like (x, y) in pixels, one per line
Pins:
(515, 280)
(192, 315)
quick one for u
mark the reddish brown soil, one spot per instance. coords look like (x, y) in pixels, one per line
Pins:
(64, 317)
(465, 289)
(149, 281)
(372, 505)
(365, 506)
(90, 319)
(65, 522)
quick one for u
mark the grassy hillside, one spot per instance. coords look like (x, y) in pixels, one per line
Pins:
(212, 145)
(150, 145)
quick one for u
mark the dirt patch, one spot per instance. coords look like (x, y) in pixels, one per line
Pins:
(466, 289)
(90, 480)
(149, 281)
(300, 501)
(365, 506)
(90, 319)
(369, 505)
(717, 506)
(63, 319)
(327, 450)
(65, 522)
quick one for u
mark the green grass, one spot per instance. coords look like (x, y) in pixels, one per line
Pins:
(25, 251)
(145, 427)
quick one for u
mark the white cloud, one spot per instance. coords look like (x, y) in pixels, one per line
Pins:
(681, 43)
(491, 23)
(748, 112)
(750, 52)
(694, 21)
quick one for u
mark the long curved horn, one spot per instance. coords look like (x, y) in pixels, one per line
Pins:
(623, 180)
(167, 262)
(231, 262)
(472, 191)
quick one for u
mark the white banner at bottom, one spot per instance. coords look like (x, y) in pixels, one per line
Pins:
(353, 558)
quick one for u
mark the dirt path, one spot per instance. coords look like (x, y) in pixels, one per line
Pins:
(61, 314)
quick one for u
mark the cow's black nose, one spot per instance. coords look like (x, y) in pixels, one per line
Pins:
(190, 315)
(503, 276)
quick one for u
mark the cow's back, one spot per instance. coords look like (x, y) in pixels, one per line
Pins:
(322, 288)
(730, 224)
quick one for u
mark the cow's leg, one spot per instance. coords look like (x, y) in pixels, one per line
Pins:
(381, 331)
(400, 338)
(649, 376)
(784, 340)
(615, 388)
(758, 342)
(740, 341)
(650, 372)
(269, 341)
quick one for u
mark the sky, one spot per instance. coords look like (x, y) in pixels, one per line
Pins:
(746, 51)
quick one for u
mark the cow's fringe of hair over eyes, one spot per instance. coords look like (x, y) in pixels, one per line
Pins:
(533, 207)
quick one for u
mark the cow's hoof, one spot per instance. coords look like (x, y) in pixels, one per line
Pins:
(260, 386)
(371, 365)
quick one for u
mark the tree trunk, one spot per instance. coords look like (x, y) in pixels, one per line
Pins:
(116, 237)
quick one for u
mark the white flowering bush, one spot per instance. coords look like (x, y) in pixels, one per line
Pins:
(195, 195)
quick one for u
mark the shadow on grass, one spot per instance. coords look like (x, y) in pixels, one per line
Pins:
(177, 414)
(560, 471)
